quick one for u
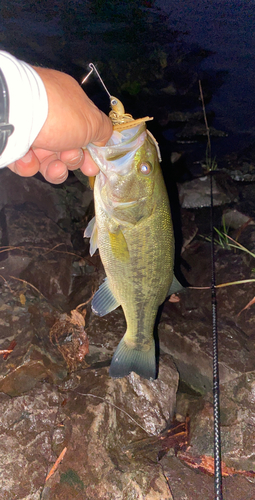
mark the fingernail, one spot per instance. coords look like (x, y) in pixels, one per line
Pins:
(27, 157)
(74, 161)
(62, 178)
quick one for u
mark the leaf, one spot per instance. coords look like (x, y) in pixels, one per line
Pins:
(10, 349)
(70, 338)
(22, 299)
(56, 464)
(174, 298)
(205, 464)
(177, 437)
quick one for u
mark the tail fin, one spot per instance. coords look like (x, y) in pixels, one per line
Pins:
(126, 360)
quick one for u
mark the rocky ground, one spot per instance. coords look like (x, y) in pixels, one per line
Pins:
(127, 438)
(130, 438)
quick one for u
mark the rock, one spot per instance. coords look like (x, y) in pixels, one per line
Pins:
(189, 228)
(26, 428)
(16, 190)
(26, 320)
(233, 218)
(197, 193)
(237, 422)
(185, 331)
(40, 250)
(190, 484)
(106, 416)
(54, 200)
(170, 89)
(241, 165)
(196, 130)
(181, 117)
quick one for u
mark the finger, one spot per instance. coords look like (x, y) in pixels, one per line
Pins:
(89, 167)
(27, 166)
(54, 170)
(103, 131)
(73, 159)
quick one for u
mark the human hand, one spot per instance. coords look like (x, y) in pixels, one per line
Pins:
(54, 166)
(73, 121)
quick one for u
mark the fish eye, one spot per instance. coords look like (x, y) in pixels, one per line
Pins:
(145, 168)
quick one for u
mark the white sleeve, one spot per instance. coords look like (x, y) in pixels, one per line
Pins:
(28, 106)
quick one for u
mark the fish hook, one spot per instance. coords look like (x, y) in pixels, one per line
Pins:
(116, 104)
(93, 68)
(120, 119)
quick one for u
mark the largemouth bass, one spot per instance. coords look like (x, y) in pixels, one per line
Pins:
(133, 231)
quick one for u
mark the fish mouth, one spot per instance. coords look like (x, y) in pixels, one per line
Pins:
(115, 202)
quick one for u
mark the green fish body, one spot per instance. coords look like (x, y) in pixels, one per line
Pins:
(133, 232)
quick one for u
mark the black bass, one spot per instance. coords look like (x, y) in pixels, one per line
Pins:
(133, 231)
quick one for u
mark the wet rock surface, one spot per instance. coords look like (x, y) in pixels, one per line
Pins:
(56, 396)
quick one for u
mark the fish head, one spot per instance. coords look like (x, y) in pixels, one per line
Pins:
(128, 165)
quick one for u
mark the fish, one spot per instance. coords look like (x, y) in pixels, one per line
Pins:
(133, 231)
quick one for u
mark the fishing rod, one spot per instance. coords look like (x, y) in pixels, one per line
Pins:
(216, 382)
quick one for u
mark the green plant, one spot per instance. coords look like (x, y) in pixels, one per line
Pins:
(223, 237)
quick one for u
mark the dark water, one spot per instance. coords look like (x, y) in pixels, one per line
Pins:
(131, 39)
(226, 27)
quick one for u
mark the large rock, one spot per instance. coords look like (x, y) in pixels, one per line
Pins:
(237, 410)
(26, 427)
(56, 201)
(106, 415)
(197, 193)
(26, 320)
(185, 331)
(39, 250)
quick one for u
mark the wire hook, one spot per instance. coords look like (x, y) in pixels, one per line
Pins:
(93, 68)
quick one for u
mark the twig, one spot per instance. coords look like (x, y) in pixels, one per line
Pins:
(6, 282)
(47, 250)
(209, 148)
(114, 406)
(29, 284)
(86, 303)
(252, 301)
(56, 464)
(52, 249)
(222, 285)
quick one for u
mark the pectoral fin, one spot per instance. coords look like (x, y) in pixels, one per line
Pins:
(91, 232)
(175, 287)
(104, 301)
(119, 246)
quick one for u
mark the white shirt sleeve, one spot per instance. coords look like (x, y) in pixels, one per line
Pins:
(28, 106)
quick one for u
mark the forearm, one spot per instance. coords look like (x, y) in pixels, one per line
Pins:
(28, 106)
